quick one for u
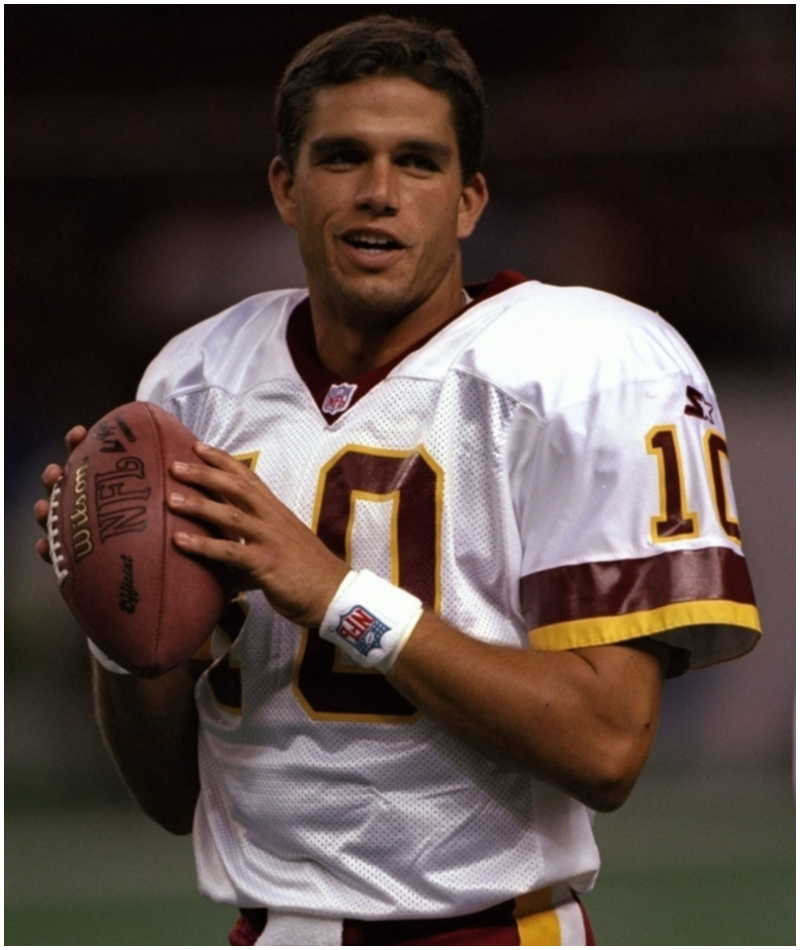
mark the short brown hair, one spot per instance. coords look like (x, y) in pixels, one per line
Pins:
(384, 45)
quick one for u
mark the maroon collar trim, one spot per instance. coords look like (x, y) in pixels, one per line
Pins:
(319, 379)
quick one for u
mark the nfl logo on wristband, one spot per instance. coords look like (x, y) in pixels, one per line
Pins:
(370, 640)
(362, 629)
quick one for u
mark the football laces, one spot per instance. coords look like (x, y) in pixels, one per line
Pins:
(56, 555)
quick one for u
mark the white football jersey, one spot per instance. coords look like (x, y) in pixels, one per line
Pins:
(547, 471)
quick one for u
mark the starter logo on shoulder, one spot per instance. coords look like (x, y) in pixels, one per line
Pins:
(698, 405)
(338, 398)
(362, 629)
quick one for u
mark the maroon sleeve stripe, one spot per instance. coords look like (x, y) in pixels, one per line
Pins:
(615, 588)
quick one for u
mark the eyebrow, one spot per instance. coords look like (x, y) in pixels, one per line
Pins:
(437, 150)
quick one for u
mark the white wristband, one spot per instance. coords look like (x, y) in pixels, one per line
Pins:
(370, 619)
(105, 661)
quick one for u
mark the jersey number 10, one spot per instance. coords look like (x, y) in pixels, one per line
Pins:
(408, 485)
(675, 521)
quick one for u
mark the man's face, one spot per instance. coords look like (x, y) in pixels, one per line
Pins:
(377, 198)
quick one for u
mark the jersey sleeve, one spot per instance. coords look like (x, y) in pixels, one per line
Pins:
(629, 526)
(232, 351)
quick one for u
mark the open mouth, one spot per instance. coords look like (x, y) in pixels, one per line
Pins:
(372, 242)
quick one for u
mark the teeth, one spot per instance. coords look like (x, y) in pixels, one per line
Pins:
(372, 242)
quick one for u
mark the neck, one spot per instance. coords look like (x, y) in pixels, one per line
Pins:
(352, 340)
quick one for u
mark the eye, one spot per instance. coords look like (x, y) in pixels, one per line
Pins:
(419, 162)
(342, 157)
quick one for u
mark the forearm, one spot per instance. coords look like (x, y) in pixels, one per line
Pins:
(150, 728)
(581, 725)
(581, 720)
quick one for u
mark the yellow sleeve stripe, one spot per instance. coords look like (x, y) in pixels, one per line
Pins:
(596, 631)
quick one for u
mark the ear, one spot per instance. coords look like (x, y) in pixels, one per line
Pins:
(474, 198)
(281, 181)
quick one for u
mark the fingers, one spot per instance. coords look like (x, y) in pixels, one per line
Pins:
(230, 520)
(229, 500)
(218, 458)
(50, 476)
(40, 510)
(263, 541)
(232, 553)
(236, 502)
(222, 475)
(74, 437)
(52, 472)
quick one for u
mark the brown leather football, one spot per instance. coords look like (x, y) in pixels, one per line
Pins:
(141, 600)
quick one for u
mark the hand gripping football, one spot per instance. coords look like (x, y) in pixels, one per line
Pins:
(141, 600)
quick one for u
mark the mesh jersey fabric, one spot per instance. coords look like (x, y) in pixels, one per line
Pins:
(505, 472)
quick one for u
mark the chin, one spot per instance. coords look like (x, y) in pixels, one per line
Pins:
(377, 300)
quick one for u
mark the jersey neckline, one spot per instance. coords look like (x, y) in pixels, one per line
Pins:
(322, 382)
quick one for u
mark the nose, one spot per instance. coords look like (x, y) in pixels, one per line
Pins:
(378, 191)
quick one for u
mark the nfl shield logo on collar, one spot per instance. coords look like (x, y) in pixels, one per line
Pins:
(338, 398)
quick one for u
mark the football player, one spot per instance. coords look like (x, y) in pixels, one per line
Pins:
(475, 527)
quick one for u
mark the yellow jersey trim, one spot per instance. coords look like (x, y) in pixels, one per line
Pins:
(537, 922)
(597, 631)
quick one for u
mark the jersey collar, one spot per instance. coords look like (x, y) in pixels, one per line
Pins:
(320, 380)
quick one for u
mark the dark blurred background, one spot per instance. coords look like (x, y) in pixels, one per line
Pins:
(644, 150)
